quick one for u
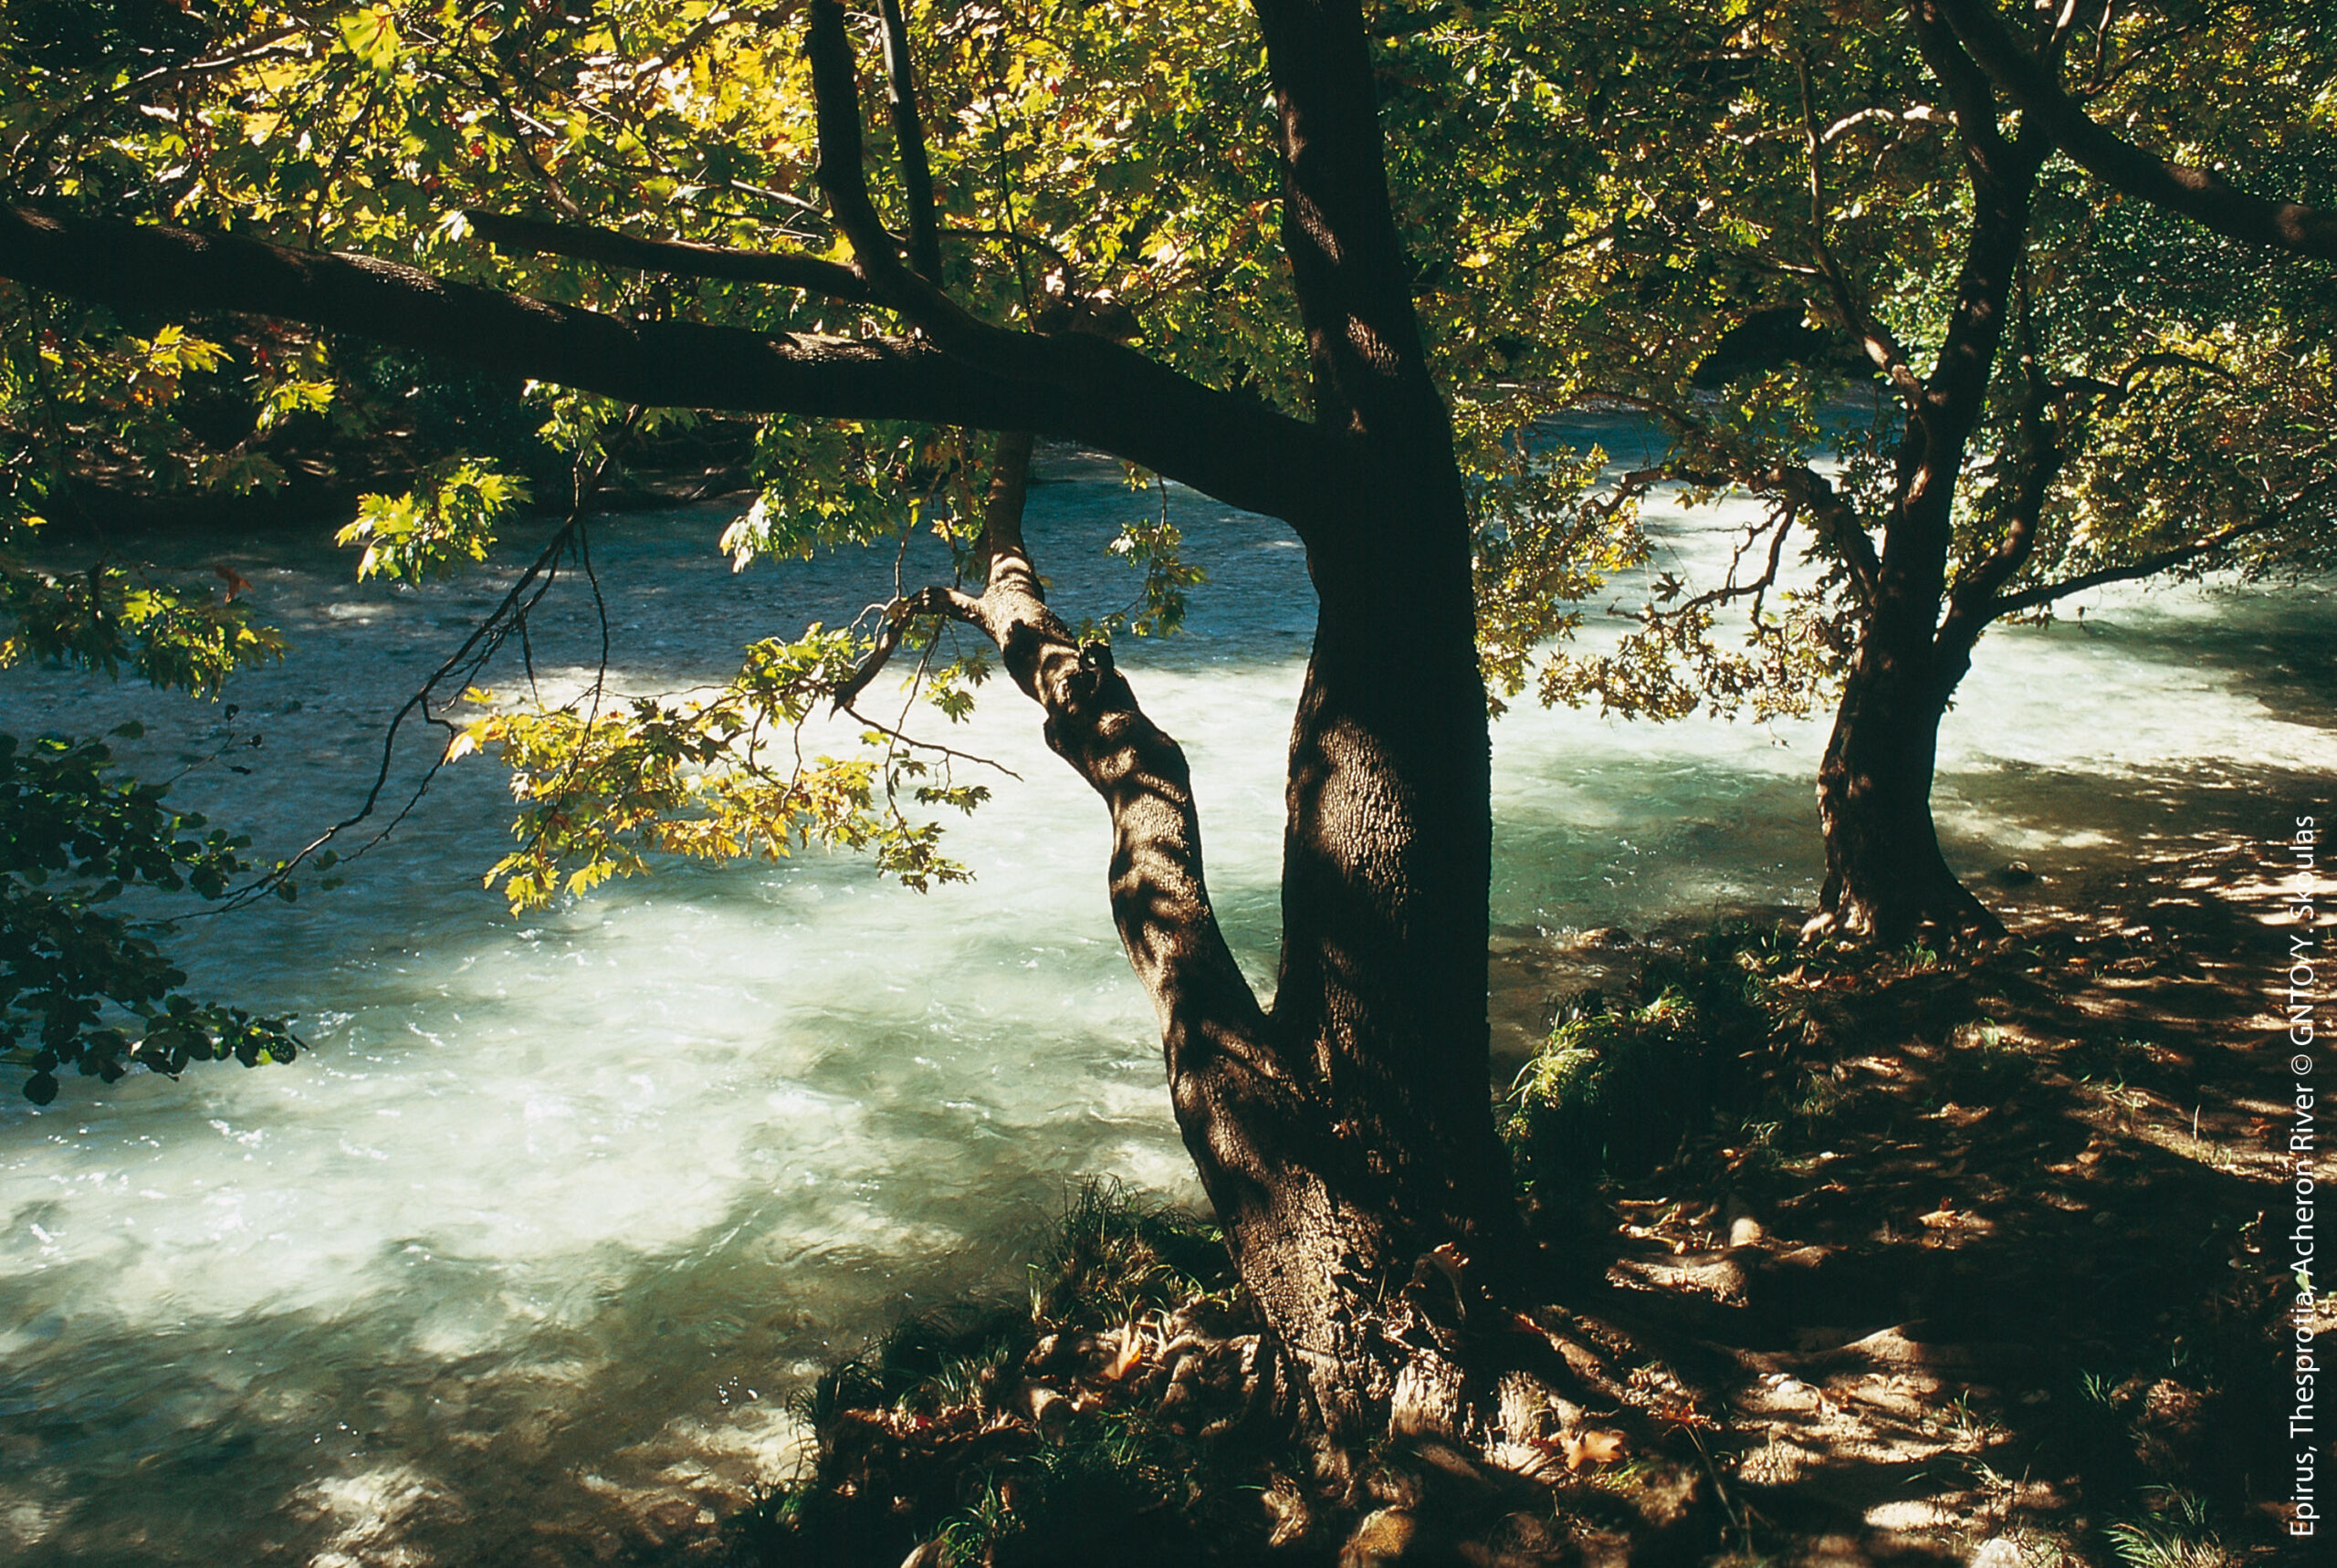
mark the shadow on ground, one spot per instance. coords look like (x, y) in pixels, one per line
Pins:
(1996, 1266)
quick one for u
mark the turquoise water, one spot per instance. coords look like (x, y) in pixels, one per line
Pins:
(521, 1264)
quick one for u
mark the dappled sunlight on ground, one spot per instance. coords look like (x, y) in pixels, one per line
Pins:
(1999, 1270)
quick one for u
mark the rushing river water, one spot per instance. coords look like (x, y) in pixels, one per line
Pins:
(521, 1262)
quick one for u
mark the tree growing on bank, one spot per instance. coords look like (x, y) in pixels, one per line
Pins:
(651, 206)
(1842, 228)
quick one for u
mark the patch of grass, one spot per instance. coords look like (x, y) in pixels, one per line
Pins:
(2178, 1535)
(1076, 1498)
(1618, 1086)
(1986, 1065)
(1115, 1259)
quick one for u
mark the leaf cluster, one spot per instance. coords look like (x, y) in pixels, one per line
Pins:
(81, 983)
(720, 778)
(447, 518)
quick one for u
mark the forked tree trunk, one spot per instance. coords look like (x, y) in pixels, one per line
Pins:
(1886, 880)
(1344, 1135)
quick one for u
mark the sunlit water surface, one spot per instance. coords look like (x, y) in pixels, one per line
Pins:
(521, 1264)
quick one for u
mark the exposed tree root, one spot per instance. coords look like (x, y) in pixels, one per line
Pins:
(1139, 1410)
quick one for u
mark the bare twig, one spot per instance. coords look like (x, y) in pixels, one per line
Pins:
(1877, 339)
(508, 619)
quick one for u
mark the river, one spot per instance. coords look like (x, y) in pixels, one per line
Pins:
(521, 1262)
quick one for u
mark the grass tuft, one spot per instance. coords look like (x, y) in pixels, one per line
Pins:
(1618, 1085)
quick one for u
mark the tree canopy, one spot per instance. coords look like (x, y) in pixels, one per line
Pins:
(1839, 257)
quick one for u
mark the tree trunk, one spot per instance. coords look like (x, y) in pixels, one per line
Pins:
(1886, 880)
(1380, 1004)
(1346, 1139)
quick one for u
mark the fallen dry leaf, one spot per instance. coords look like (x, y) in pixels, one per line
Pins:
(1591, 1446)
(1131, 1352)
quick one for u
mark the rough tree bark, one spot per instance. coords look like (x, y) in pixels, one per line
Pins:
(1344, 1135)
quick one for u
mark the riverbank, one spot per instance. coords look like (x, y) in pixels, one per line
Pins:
(1973, 1264)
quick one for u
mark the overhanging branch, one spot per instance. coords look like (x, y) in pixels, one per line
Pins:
(1111, 398)
(680, 259)
(2134, 572)
(2199, 194)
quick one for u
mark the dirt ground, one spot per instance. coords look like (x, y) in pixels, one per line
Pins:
(2009, 1285)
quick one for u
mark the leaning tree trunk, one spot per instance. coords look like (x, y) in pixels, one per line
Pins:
(1345, 1138)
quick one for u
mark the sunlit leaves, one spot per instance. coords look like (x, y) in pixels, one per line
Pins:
(446, 520)
(602, 787)
(1155, 547)
(2235, 433)
(831, 483)
(1547, 540)
(372, 34)
(1776, 666)
(112, 620)
(82, 983)
(158, 363)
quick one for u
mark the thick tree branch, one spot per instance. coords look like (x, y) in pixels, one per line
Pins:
(1346, 258)
(1215, 1033)
(843, 180)
(1247, 1114)
(1974, 602)
(908, 137)
(680, 259)
(1969, 92)
(1808, 493)
(2003, 174)
(2199, 194)
(1224, 445)
(2136, 369)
